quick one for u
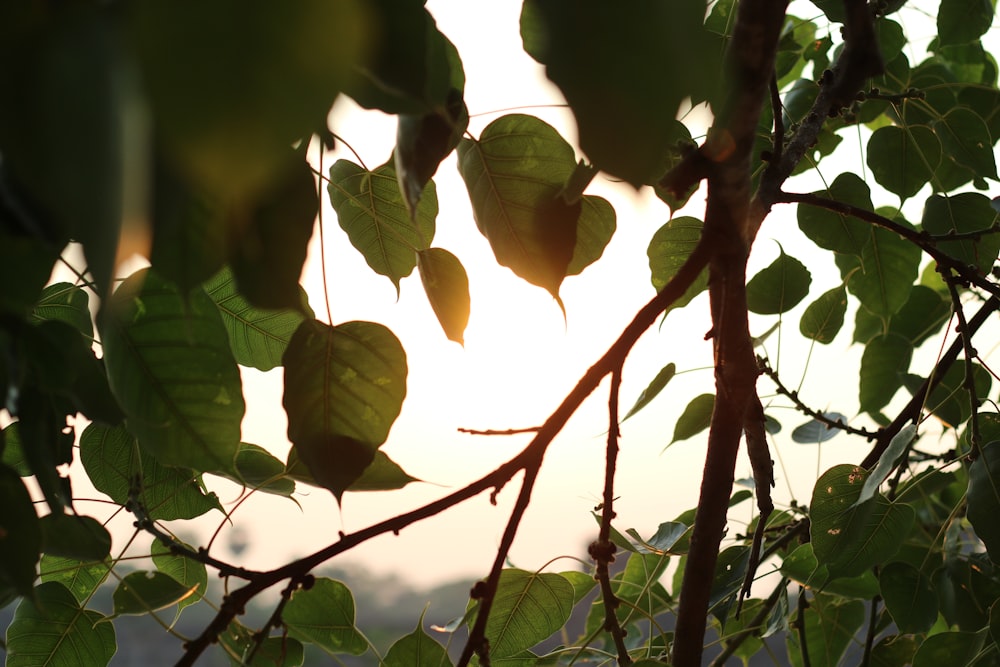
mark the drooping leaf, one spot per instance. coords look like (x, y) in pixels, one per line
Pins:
(54, 630)
(885, 360)
(779, 287)
(238, 640)
(696, 418)
(594, 230)
(886, 462)
(961, 21)
(67, 303)
(527, 608)
(961, 214)
(824, 317)
(267, 250)
(344, 388)
(833, 231)
(187, 572)
(81, 578)
(371, 210)
(416, 649)
(966, 140)
(382, 474)
(257, 337)
(171, 368)
(114, 462)
(603, 56)
(802, 566)
(447, 286)
(261, 471)
(72, 536)
(514, 173)
(655, 387)
(984, 497)
(21, 535)
(668, 539)
(143, 592)
(669, 249)
(909, 597)
(831, 624)
(903, 160)
(850, 539)
(324, 615)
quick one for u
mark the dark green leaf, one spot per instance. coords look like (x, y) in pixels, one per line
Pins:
(832, 231)
(269, 248)
(514, 174)
(594, 230)
(984, 497)
(824, 317)
(81, 578)
(261, 471)
(903, 160)
(13, 454)
(21, 534)
(238, 640)
(850, 539)
(949, 401)
(802, 566)
(447, 286)
(113, 461)
(67, 303)
(371, 210)
(779, 287)
(143, 592)
(696, 417)
(961, 21)
(185, 571)
(71, 536)
(324, 615)
(25, 267)
(730, 570)
(966, 140)
(171, 369)
(55, 630)
(257, 337)
(909, 597)
(954, 648)
(923, 315)
(680, 141)
(669, 249)
(603, 56)
(416, 649)
(668, 539)
(655, 387)
(961, 214)
(814, 432)
(831, 624)
(885, 360)
(383, 474)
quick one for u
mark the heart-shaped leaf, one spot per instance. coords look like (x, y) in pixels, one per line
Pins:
(447, 287)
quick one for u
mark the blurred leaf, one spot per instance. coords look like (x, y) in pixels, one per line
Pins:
(655, 387)
(13, 454)
(885, 360)
(238, 640)
(955, 648)
(802, 566)
(814, 432)
(171, 368)
(21, 537)
(257, 337)
(824, 317)
(779, 287)
(54, 630)
(447, 286)
(66, 303)
(961, 21)
(909, 597)
(669, 249)
(984, 497)
(697, 417)
(638, 589)
(949, 400)
(831, 624)
(903, 160)
(324, 615)
(187, 572)
(71, 536)
(371, 210)
(146, 591)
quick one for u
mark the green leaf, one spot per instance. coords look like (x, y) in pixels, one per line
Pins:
(55, 630)
(261, 471)
(815, 432)
(655, 387)
(923, 315)
(189, 573)
(824, 317)
(269, 248)
(423, 141)
(961, 214)
(951, 648)
(20, 533)
(383, 474)
(831, 624)
(113, 461)
(778, 288)
(903, 160)
(966, 140)
(171, 369)
(416, 649)
(602, 57)
(144, 592)
(582, 583)
(697, 417)
(885, 360)
(25, 267)
(344, 388)
(802, 566)
(909, 597)
(984, 497)
(81, 578)
(887, 462)
(13, 452)
(594, 230)
(527, 608)
(514, 174)
(238, 640)
(66, 303)
(669, 249)
(730, 570)
(949, 401)
(447, 286)
(72, 536)
(889, 266)
(371, 210)
(324, 615)
(668, 539)
(851, 539)
(257, 337)
(833, 231)
(962, 21)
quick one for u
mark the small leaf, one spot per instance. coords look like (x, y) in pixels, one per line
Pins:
(527, 608)
(697, 417)
(70, 536)
(416, 649)
(909, 597)
(143, 592)
(186, 571)
(655, 387)
(261, 471)
(238, 641)
(447, 286)
(886, 462)
(21, 534)
(67, 303)
(903, 160)
(778, 288)
(594, 230)
(885, 360)
(966, 140)
(824, 317)
(984, 497)
(371, 210)
(669, 249)
(51, 628)
(324, 615)
(815, 432)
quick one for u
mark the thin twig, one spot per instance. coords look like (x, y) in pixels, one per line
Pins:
(800, 627)
(866, 658)
(970, 370)
(509, 431)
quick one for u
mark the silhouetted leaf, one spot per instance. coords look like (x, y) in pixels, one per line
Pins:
(72, 536)
(903, 160)
(447, 287)
(966, 140)
(833, 231)
(885, 360)
(655, 387)
(185, 571)
(824, 317)
(669, 249)
(984, 497)
(416, 649)
(324, 615)
(21, 538)
(814, 432)
(238, 640)
(961, 214)
(830, 627)
(146, 591)
(696, 417)
(779, 287)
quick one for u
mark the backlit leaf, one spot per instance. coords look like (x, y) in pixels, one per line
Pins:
(594, 230)
(984, 497)
(143, 592)
(447, 286)
(261, 471)
(824, 317)
(669, 249)
(889, 266)
(903, 160)
(73, 536)
(238, 640)
(833, 231)
(81, 578)
(779, 287)
(186, 571)
(371, 210)
(655, 387)
(67, 303)
(21, 537)
(886, 358)
(324, 615)
(961, 214)
(814, 432)
(966, 140)
(697, 417)
(416, 649)
(528, 607)
(382, 474)
(961, 21)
